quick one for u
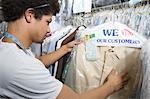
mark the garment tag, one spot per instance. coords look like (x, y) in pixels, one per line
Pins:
(114, 34)
(91, 51)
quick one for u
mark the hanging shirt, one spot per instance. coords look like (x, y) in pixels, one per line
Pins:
(82, 6)
(144, 91)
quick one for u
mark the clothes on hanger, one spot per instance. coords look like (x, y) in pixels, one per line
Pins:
(133, 16)
(62, 61)
(60, 37)
(82, 6)
(56, 66)
(99, 3)
(52, 43)
(133, 2)
(60, 65)
(144, 86)
(3, 26)
(83, 73)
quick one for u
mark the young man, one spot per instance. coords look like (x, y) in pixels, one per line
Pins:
(24, 76)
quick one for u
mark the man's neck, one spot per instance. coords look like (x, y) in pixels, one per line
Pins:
(20, 33)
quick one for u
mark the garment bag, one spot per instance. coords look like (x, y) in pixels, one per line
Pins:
(107, 46)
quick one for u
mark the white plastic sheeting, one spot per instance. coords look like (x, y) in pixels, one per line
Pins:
(84, 73)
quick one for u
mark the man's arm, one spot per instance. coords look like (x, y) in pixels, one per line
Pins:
(54, 56)
(113, 84)
(98, 93)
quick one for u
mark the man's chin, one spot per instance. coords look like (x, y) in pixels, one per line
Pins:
(40, 41)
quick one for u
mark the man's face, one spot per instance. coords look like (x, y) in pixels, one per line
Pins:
(41, 28)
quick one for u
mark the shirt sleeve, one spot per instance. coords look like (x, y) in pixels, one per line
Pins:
(35, 82)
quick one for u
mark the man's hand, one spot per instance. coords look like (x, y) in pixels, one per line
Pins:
(54, 56)
(68, 47)
(116, 81)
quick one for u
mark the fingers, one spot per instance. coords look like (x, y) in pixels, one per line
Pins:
(71, 44)
(125, 77)
(113, 72)
(124, 73)
(118, 81)
(77, 41)
(125, 81)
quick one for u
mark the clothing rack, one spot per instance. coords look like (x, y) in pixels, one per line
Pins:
(131, 15)
(110, 7)
(1, 15)
(120, 5)
(115, 6)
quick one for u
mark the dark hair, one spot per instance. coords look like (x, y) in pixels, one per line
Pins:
(15, 9)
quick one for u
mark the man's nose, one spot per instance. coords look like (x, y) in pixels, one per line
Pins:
(48, 30)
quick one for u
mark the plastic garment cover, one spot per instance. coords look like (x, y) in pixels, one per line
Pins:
(144, 85)
(82, 74)
(3, 27)
(99, 3)
(132, 2)
(82, 6)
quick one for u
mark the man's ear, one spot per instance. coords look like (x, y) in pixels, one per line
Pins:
(29, 15)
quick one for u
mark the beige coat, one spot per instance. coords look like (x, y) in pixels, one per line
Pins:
(83, 75)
